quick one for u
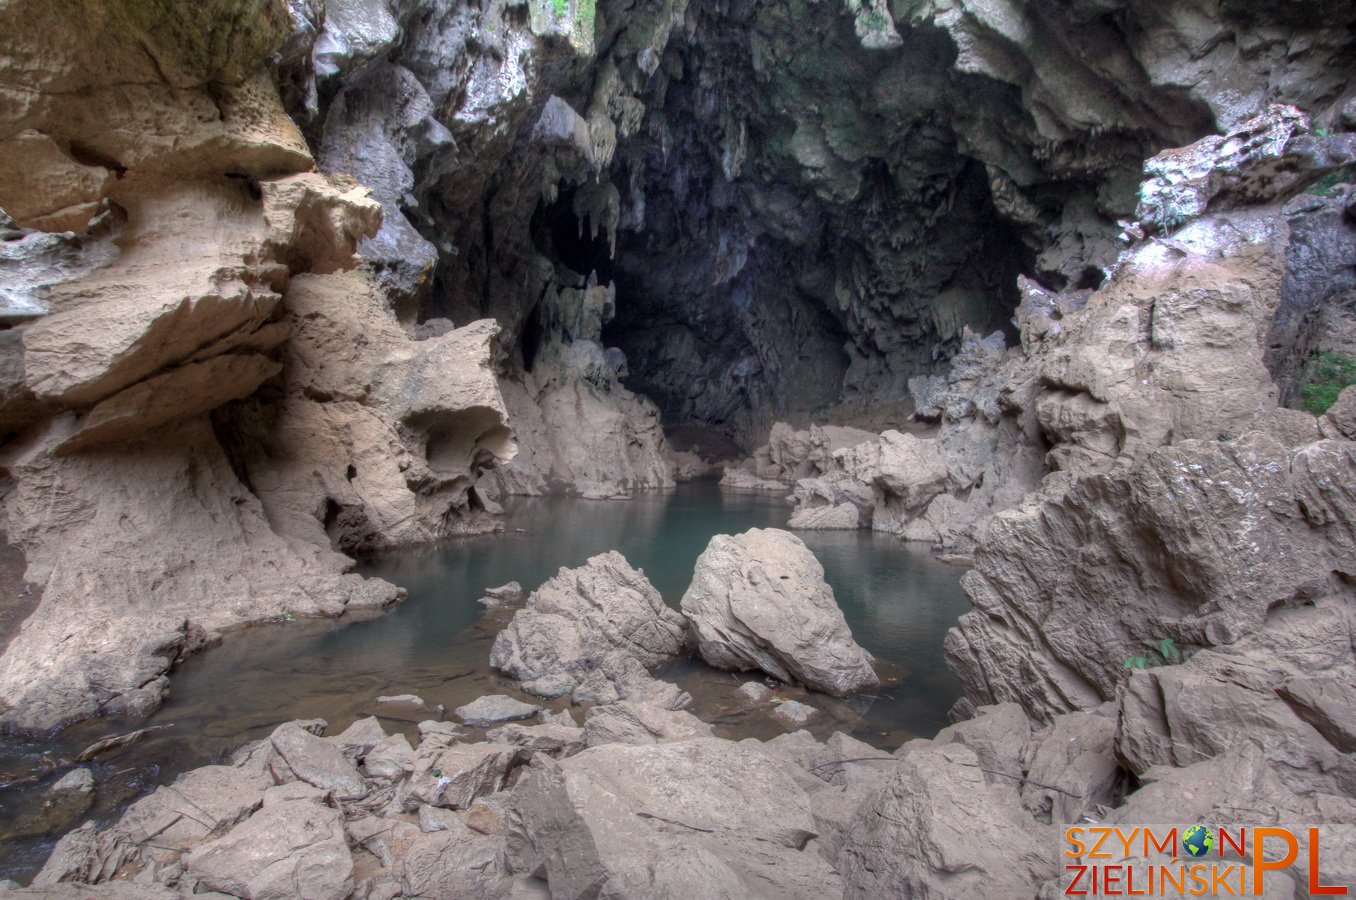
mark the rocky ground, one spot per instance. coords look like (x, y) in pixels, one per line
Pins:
(642, 800)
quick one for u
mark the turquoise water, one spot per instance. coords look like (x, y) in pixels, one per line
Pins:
(898, 600)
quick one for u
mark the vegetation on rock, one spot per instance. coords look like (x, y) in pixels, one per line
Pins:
(1326, 375)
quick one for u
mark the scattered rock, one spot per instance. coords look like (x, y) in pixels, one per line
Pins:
(759, 601)
(78, 781)
(430, 727)
(560, 717)
(358, 739)
(495, 708)
(490, 815)
(795, 713)
(435, 818)
(639, 723)
(937, 829)
(198, 806)
(454, 862)
(1342, 414)
(998, 735)
(510, 594)
(698, 818)
(318, 762)
(408, 708)
(754, 692)
(454, 776)
(553, 740)
(1074, 769)
(390, 759)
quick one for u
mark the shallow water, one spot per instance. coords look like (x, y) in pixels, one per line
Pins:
(898, 600)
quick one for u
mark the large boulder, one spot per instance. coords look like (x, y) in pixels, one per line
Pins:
(589, 629)
(285, 848)
(704, 818)
(937, 830)
(1201, 545)
(641, 723)
(317, 761)
(759, 601)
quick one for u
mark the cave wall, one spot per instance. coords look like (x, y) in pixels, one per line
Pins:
(801, 206)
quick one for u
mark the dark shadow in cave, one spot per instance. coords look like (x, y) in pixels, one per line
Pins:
(561, 237)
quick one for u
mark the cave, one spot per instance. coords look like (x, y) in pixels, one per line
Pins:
(810, 448)
(799, 209)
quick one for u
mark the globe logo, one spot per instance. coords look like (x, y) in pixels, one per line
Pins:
(1198, 840)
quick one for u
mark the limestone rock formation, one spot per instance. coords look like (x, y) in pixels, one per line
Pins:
(379, 439)
(1206, 542)
(1180, 343)
(213, 260)
(591, 632)
(494, 709)
(159, 546)
(906, 842)
(290, 843)
(759, 601)
(680, 810)
(791, 455)
(706, 816)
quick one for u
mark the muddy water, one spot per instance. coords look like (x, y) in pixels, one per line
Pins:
(897, 599)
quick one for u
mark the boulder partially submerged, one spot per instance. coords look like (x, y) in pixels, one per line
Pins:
(591, 632)
(759, 601)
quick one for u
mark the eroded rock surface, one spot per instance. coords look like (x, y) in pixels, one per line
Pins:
(590, 632)
(759, 601)
(691, 816)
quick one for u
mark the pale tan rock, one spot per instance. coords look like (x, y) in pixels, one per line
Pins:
(1074, 769)
(704, 817)
(281, 846)
(155, 547)
(452, 776)
(630, 722)
(1342, 414)
(380, 439)
(318, 762)
(39, 180)
(689, 466)
(565, 638)
(938, 830)
(198, 268)
(1220, 548)
(179, 393)
(759, 601)
(454, 862)
(189, 812)
(609, 449)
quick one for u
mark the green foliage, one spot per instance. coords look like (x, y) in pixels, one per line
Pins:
(1326, 186)
(587, 14)
(1160, 653)
(1326, 375)
(560, 8)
